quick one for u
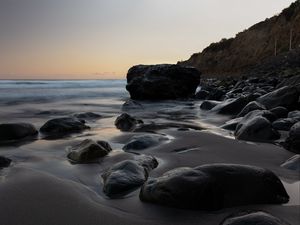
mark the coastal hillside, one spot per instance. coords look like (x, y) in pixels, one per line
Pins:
(274, 36)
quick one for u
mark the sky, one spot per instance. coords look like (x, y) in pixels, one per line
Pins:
(102, 39)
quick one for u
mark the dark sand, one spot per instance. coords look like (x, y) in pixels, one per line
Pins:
(42, 187)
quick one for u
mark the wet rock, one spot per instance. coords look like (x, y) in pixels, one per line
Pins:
(125, 122)
(284, 124)
(294, 114)
(292, 163)
(158, 82)
(89, 151)
(279, 112)
(4, 162)
(208, 105)
(216, 94)
(253, 218)
(144, 141)
(232, 106)
(287, 97)
(292, 143)
(16, 131)
(88, 116)
(132, 105)
(232, 124)
(124, 177)
(64, 125)
(202, 94)
(251, 106)
(215, 186)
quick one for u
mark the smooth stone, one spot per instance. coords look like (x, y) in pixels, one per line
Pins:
(284, 124)
(294, 114)
(293, 163)
(89, 151)
(124, 177)
(16, 131)
(64, 125)
(292, 143)
(208, 104)
(144, 141)
(164, 81)
(125, 122)
(279, 112)
(88, 116)
(253, 218)
(215, 186)
(232, 124)
(251, 106)
(4, 162)
(287, 97)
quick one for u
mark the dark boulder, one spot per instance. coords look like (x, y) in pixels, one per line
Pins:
(292, 143)
(279, 112)
(89, 151)
(287, 96)
(215, 186)
(144, 141)
(284, 124)
(16, 131)
(216, 94)
(125, 122)
(253, 218)
(159, 82)
(232, 124)
(62, 126)
(124, 177)
(294, 114)
(132, 105)
(88, 116)
(292, 163)
(251, 106)
(208, 105)
(202, 94)
(4, 162)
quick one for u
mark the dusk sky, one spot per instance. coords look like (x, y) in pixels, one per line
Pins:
(95, 39)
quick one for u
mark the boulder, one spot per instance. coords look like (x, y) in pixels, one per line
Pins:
(16, 131)
(4, 162)
(284, 124)
(287, 97)
(279, 112)
(125, 122)
(232, 124)
(292, 143)
(253, 218)
(215, 186)
(87, 116)
(202, 94)
(232, 106)
(294, 114)
(89, 151)
(132, 105)
(208, 105)
(62, 126)
(124, 177)
(292, 163)
(144, 141)
(159, 82)
(250, 107)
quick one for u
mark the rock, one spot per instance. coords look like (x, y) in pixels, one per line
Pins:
(132, 105)
(253, 218)
(202, 94)
(256, 128)
(88, 116)
(4, 162)
(284, 124)
(294, 80)
(250, 107)
(292, 163)
(208, 105)
(125, 122)
(64, 125)
(144, 141)
(124, 177)
(287, 97)
(215, 186)
(232, 106)
(216, 94)
(294, 114)
(231, 124)
(159, 82)
(292, 143)
(279, 112)
(147, 161)
(89, 151)
(16, 131)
